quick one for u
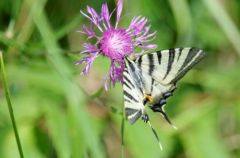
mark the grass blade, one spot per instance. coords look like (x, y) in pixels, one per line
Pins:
(224, 22)
(59, 64)
(122, 135)
(7, 95)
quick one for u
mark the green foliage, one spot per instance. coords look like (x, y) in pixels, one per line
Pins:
(62, 114)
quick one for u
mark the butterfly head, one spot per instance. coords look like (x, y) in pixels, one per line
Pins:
(148, 99)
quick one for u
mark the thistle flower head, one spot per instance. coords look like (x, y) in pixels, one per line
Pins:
(113, 41)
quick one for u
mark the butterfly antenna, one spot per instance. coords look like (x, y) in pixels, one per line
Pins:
(155, 133)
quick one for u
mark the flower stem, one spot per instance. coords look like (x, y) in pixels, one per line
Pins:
(122, 135)
(7, 95)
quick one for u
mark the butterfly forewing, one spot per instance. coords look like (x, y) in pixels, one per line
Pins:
(168, 66)
(132, 91)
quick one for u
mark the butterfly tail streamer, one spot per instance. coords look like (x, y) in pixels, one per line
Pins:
(155, 133)
(168, 120)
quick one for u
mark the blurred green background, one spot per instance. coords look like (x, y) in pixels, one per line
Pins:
(62, 114)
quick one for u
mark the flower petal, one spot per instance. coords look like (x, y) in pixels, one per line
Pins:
(145, 37)
(95, 19)
(113, 43)
(105, 14)
(146, 29)
(93, 13)
(116, 71)
(150, 46)
(89, 61)
(88, 32)
(84, 14)
(119, 11)
(137, 25)
(89, 48)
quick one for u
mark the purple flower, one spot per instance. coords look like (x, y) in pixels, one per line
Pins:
(112, 41)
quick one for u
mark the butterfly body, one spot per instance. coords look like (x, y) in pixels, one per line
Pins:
(155, 89)
(150, 93)
(151, 78)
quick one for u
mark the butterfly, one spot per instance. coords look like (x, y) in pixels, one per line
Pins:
(151, 78)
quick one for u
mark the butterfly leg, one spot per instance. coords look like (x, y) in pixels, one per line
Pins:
(145, 117)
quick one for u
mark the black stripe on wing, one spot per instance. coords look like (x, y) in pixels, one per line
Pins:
(139, 61)
(191, 54)
(151, 64)
(126, 80)
(130, 111)
(126, 84)
(159, 56)
(170, 61)
(129, 96)
(152, 84)
(135, 73)
(127, 100)
(133, 117)
(130, 63)
(179, 54)
(193, 57)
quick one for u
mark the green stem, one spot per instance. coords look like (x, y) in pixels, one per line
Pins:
(225, 22)
(122, 135)
(6, 90)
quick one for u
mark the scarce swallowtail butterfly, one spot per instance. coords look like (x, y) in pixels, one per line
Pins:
(152, 78)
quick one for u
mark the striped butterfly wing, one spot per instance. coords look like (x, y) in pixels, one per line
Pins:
(132, 91)
(169, 66)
